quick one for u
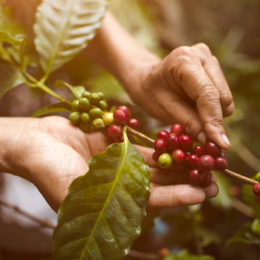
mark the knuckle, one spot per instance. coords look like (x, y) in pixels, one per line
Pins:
(183, 50)
(203, 46)
(210, 93)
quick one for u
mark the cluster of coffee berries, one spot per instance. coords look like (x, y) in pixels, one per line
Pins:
(256, 191)
(88, 110)
(121, 117)
(177, 147)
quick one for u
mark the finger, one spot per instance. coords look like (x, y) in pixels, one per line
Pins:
(215, 73)
(212, 190)
(174, 196)
(200, 88)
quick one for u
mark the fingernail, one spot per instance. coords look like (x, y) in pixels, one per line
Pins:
(202, 138)
(226, 140)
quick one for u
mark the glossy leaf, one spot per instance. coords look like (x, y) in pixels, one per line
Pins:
(76, 91)
(102, 214)
(245, 235)
(51, 109)
(9, 77)
(184, 255)
(63, 29)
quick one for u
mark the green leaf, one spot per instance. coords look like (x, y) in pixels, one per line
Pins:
(63, 29)
(223, 200)
(9, 77)
(103, 211)
(76, 91)
(245, 235)
(52, 109)
(248, 197)
(184, 255)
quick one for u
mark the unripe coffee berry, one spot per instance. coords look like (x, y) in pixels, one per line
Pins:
(165, 160)
(186, 143)
(256, 189)
(86, 94)
(206, 163)
(96, 97)
(95, 112)
(134, 123)
(178, 156)
(115, 131)
(108, 118)
(177, 129)
(160, 145)
(74, 117)
(120, 117)
(212, 149)
(75, 105)
(163, 134)
(126, 110)
(221, 163)
(84, 104)
(199, 150)
(173, 141)
(192, 160)
(84, 117)
(98, 123)
(103, 105)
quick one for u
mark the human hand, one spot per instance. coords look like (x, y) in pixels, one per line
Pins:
(188, 87)
(51, 153)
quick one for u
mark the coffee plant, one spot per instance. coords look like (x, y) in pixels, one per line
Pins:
(102, 215)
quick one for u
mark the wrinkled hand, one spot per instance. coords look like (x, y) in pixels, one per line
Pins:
(188, 86)
(55, 153)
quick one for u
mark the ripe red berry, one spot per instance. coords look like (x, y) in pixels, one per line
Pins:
(156, 156)
(163, 134)
(173, 141)
(192, 160)
(199, 150)
(256, 189)
(115, 131)
(206, 180)
(134, 123)
(160, 145)
(186, 143)
(120, 117)
(196, 176)
(206, 163)
(212, 149)
(126, 110)
(221, 163)
(177, 129)
(178, 156)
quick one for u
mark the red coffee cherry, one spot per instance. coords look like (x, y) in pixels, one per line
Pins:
(134, 123)
(173, 141)
(120, 117)
(199, 150)
(160, 145)
(177, 129)
(221, 163)
(163, 134)
(206, 181)
(126, 110)
(178, 156)
(196, 177)
(212, 149)
(192, 160)
(115, 132)
(186, 143)
(206, 163)
(256, 189)
(156, 156)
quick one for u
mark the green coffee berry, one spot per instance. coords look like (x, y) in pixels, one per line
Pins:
(84, 127)
(84, 104)
(96, 97)
(165, 161)
(85, 118)
(108, 118)
(103, 105)
(86, 94)
(95, 112)
(74, 117)
(257, 176)
(75, 105)
(98, 123)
